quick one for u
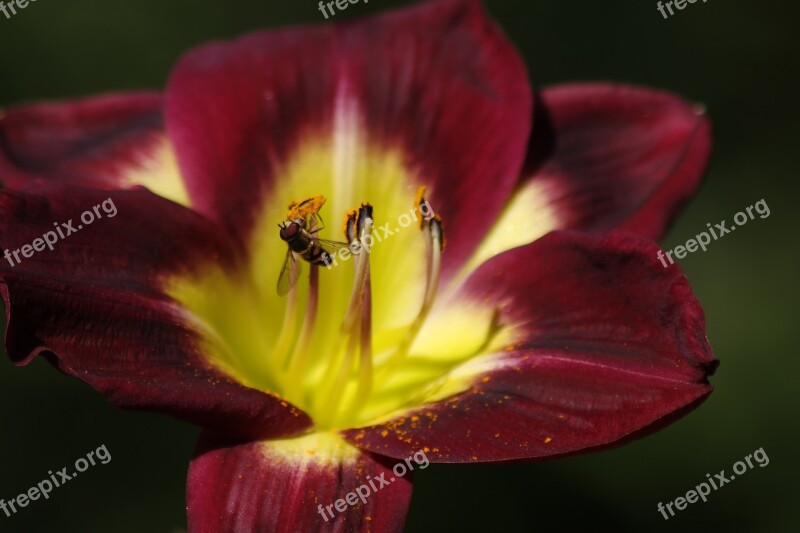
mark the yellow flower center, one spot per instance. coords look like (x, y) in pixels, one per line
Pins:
(355, 342)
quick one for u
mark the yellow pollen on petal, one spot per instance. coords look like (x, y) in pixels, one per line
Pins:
(319, 448)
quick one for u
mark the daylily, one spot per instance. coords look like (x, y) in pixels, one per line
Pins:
(540, 329)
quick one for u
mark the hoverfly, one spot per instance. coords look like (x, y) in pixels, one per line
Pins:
(300, 234)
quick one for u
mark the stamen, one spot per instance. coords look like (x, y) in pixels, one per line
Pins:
(299, 360)
(365, 358)
(333, 395)
(434, 245)
(343, 390)
(356, 328)
(365, 229)
(280, 353)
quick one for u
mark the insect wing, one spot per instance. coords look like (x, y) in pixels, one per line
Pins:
(330, 247)
(289, 275)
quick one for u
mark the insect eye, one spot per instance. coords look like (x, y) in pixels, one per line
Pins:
(289, 231)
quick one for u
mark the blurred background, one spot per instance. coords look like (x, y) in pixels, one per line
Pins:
(738, 59)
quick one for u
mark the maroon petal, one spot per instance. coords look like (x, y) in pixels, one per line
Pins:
(286, 486)
(105, 142)
(612, 345)
(616, 157)
(95, 307)
(437, 82)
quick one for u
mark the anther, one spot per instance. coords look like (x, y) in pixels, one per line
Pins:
(349, 226)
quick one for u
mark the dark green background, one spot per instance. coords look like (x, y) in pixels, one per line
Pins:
(738, 58)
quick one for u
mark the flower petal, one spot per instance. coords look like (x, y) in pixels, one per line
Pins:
(96, 307)
(624, 157)
(608, 343)
(604, 157)
(105, 142)
(285, 486)
(438, 83)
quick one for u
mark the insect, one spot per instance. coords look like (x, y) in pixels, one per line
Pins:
(299, 232)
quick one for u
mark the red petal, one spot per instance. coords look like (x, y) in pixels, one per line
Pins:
(614, 156)
(94, 305)
(614, 344)
(437, 81)
(263, 487)
(92, 143)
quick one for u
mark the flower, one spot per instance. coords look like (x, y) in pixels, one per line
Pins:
(545, 327)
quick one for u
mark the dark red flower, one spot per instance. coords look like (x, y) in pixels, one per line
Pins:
(539, 330)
